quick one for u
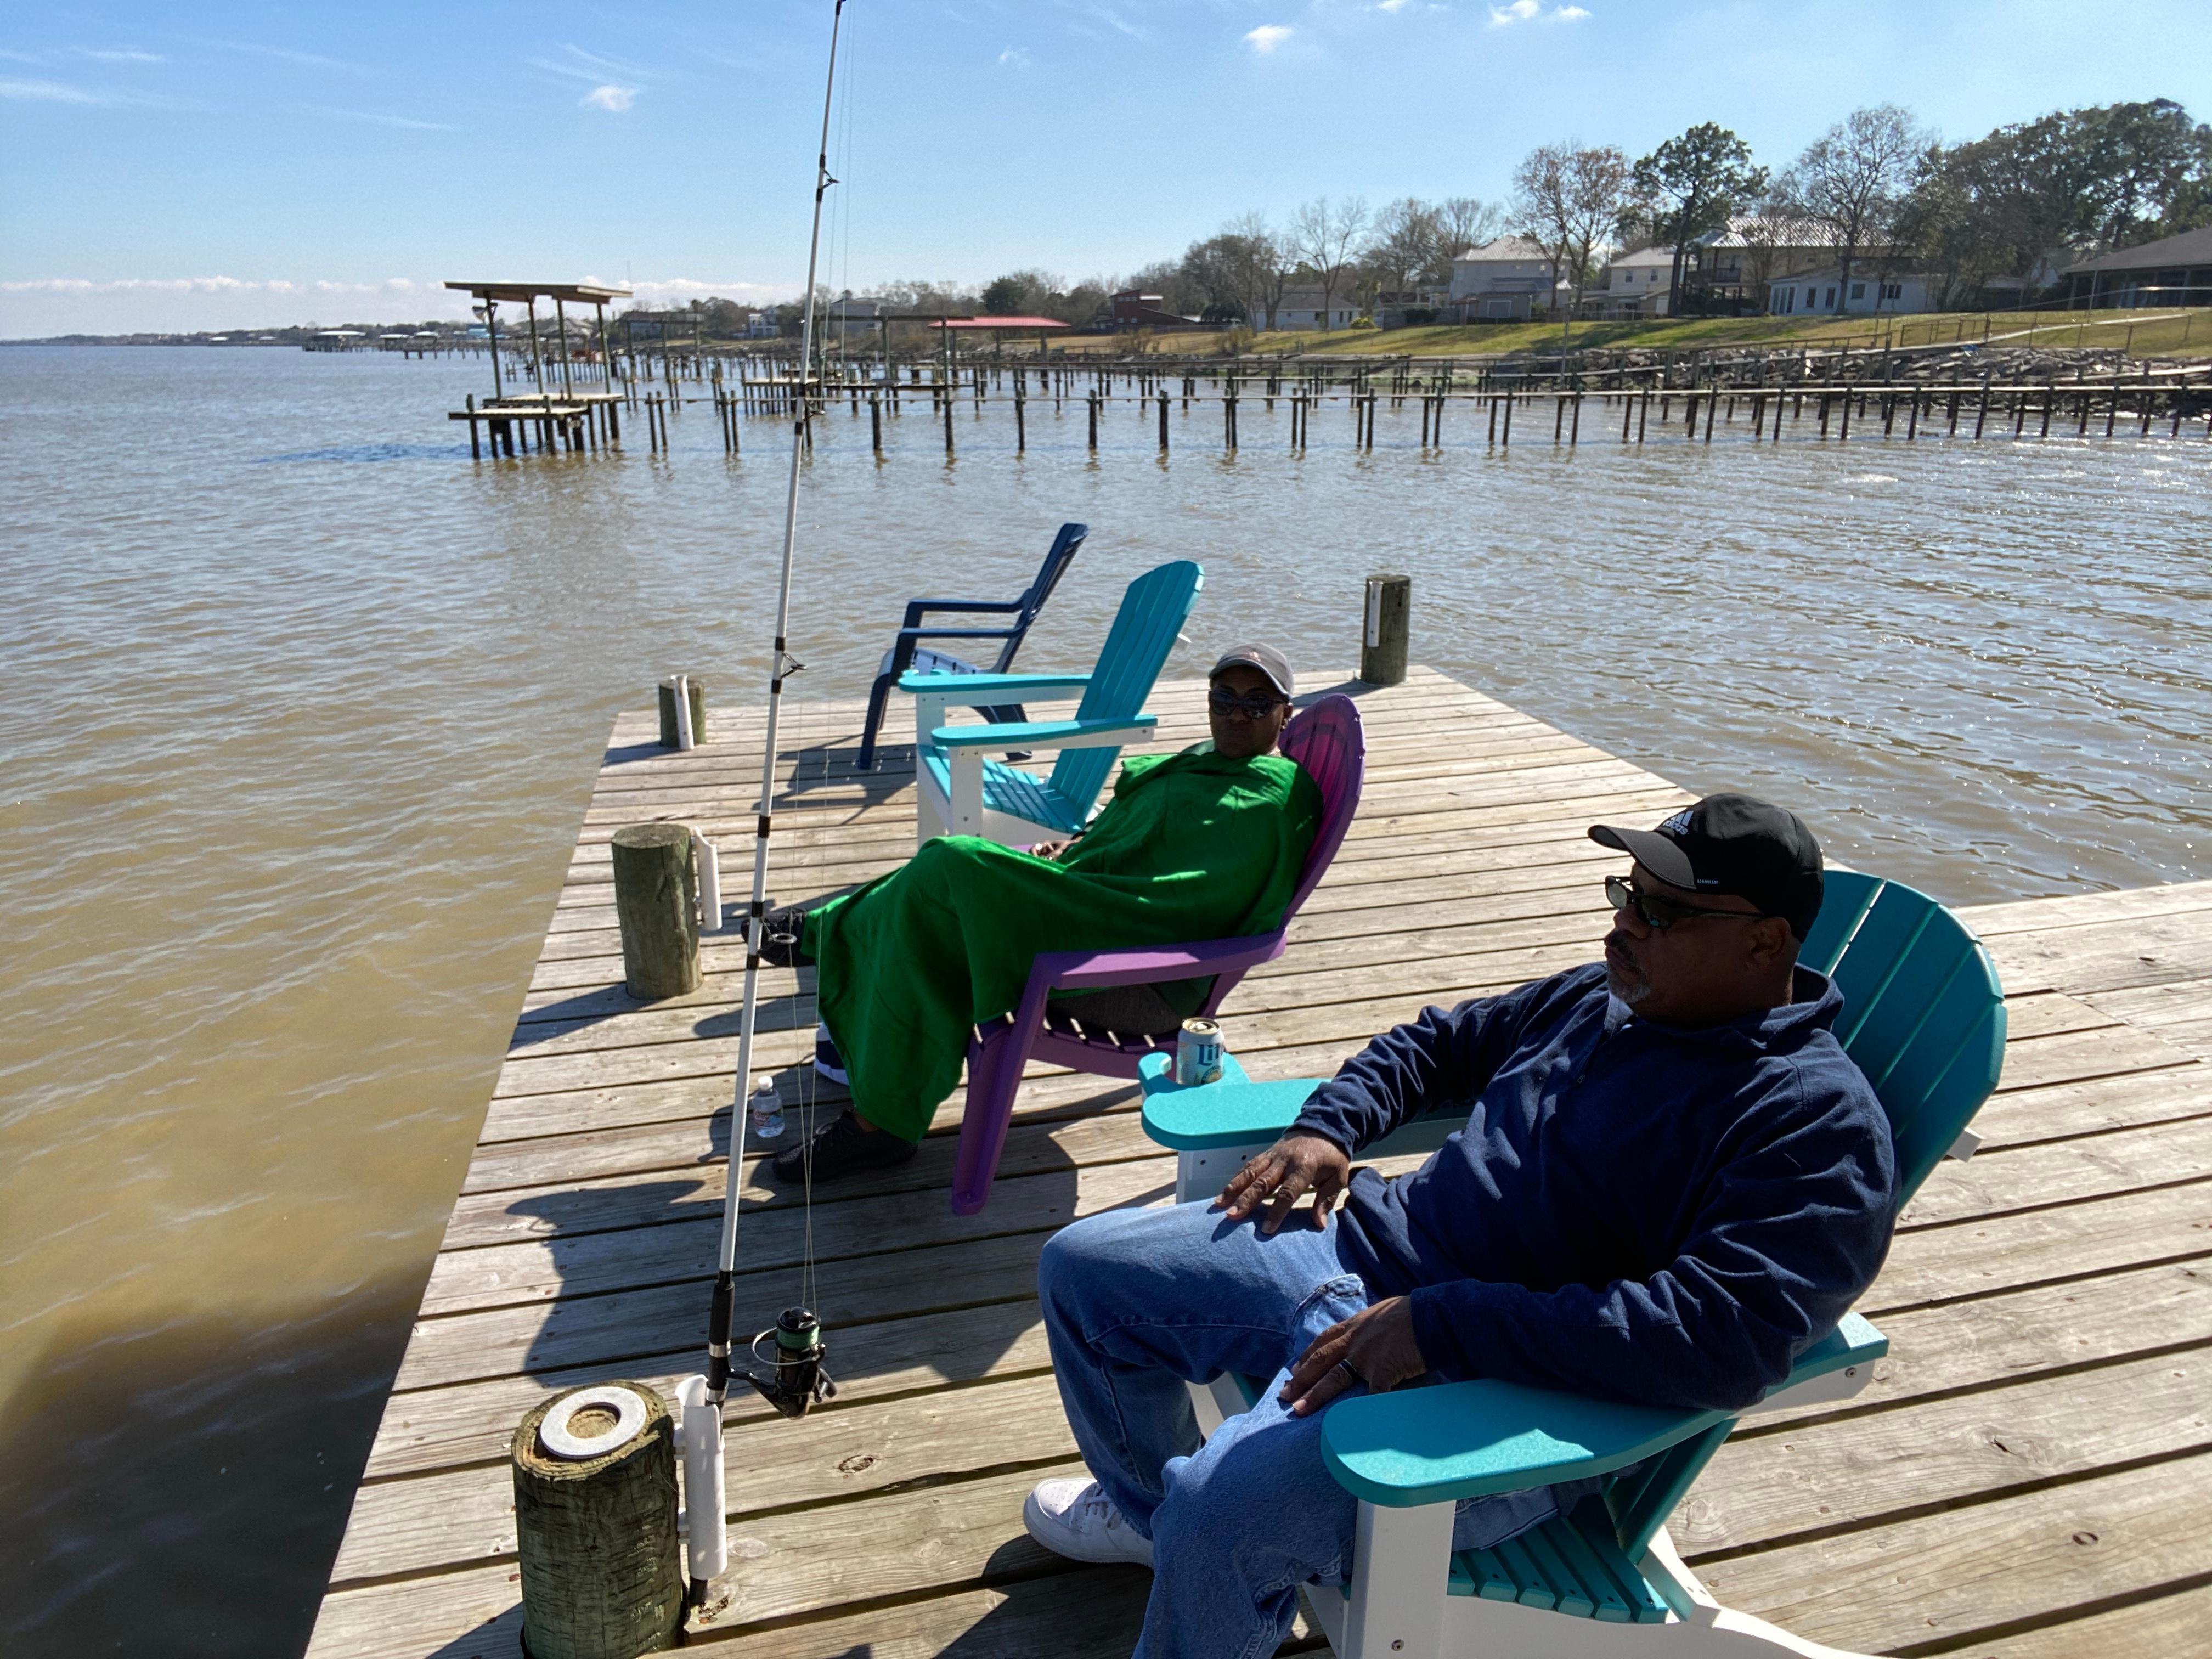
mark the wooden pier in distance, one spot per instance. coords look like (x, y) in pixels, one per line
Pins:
(2029, 1476)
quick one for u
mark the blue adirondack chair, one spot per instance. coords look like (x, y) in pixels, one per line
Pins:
(1924, 1018)
(960, 792)
(908, 655)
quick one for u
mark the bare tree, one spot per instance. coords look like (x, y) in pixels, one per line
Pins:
(1268, 263)
(1462, 222)
(1324, 235)
(1406, 238)
(1567, 199)
(1854, 178)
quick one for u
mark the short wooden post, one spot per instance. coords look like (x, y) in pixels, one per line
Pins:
(1021, 427)
(876, 423)
(1093, 402)
(698, 702)
(656, 904)
(595, 1537)
(1388, 624)
(1164, 424)
(476, 450)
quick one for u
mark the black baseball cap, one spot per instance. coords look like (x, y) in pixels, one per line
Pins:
(1735, 845)
(1265, 658)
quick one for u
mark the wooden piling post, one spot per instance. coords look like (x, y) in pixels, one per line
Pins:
(1386, 630)
(656, 899)
(476, 450)
(1164, 423)
(1021, 426)
(876, 423)
(1091, 403)
(601, 1572)
(1505, 438)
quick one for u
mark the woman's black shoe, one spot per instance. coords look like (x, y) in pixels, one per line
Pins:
(842, 1147)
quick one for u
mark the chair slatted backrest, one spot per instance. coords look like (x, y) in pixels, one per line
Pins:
(1057, 558)
(1924, 1019)
(1152, 613)
(1329, 742)
(1924, 1011)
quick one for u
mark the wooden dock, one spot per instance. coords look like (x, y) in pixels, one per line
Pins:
(2030, 1475)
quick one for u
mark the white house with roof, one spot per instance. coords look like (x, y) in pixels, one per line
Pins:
(1503, 279)
(1869, 289)
(1302, 307)
(1638, 284)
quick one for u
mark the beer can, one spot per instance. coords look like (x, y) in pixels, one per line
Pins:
(1198, 1053)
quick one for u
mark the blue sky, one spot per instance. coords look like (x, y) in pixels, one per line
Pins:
(220, 165)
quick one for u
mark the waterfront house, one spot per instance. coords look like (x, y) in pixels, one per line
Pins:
(1638, 284)
(2176, 270)
(1134, 308)
(1869, 288)
(1305, 307)
(1503, 279)
(1741, 260)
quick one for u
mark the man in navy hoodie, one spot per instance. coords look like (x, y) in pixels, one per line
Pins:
(1672, 1179)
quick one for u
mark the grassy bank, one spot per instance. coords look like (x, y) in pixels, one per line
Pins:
(2145, 334)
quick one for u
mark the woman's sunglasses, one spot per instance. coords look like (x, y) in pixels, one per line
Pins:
(1659, 914)
(1256, 707)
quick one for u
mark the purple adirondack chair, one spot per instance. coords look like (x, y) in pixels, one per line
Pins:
(1326, 740)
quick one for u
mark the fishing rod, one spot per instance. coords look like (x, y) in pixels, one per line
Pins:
(795, 1379)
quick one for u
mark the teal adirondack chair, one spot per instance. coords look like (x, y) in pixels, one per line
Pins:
(1924, 1018)
(962, 791)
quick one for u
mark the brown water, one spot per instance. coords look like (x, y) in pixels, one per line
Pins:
(298, 709)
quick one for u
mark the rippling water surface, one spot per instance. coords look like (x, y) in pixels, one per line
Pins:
(299, 708)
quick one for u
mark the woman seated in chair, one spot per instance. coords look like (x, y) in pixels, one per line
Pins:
(1205, 844)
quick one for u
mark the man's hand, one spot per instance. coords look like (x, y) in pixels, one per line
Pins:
(1300, 1162)
(1377, 1341)
(1048, 849)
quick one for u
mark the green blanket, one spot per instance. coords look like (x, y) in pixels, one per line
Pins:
(1192, 846)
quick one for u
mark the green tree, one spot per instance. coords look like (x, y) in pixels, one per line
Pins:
(1690, 186)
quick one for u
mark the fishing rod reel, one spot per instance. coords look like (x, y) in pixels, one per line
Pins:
(794, 1381)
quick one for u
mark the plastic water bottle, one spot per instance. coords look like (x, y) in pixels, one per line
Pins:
(765, 1112)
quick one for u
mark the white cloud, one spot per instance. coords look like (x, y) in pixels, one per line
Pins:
(49, 92)
(1015, 58)
(1268, 36)
(1522, 11)
(405, 123)
(612, 99)
(1394, 5)
(105, 55)
(1114, 20)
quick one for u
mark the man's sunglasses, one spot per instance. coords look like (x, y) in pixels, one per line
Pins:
(1256, 707)
(1660, 914)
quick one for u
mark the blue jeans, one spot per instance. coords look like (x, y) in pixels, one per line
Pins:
(1138, 1303)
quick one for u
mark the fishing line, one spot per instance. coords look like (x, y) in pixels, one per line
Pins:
(796, 1379)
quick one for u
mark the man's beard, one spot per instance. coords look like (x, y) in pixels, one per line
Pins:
(1630, 986)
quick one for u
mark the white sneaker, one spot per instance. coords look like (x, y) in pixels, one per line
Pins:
(1074, 1518)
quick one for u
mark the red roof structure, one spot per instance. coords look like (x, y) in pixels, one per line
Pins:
(1002, 322)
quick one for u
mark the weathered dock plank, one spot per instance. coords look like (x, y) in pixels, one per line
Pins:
(2049, 1304)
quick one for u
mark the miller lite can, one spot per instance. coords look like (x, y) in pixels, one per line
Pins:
(1198, 1053)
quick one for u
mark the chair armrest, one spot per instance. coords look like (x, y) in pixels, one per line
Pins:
(1223, 1114)
(1039, 734)
(1473, 1439)
(1150, 964)
(917, 609)
(956, 633)
(1017, 684)
(1195, 1120)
